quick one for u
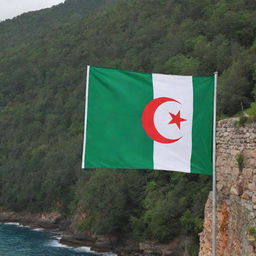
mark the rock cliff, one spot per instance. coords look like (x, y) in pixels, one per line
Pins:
(236, 192)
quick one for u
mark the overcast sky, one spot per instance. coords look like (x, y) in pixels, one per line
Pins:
(12, 8)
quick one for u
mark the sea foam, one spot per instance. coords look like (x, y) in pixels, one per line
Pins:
(12, 223)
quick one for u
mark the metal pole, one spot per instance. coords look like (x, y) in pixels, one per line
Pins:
(86, 110)
(214, 194)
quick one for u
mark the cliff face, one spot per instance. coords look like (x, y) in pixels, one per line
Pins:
(236, 192)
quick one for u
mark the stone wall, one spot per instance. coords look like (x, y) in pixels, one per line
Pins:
(236, 192)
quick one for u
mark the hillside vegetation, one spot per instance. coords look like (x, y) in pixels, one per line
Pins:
(32, 25)
(43, 58)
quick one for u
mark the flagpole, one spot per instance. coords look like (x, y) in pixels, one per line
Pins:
(214, 192)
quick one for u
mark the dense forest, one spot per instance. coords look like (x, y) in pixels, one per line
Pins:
(43, 58)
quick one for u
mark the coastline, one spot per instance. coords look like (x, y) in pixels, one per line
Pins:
(55, 224)
(114, 245)
(55, 239)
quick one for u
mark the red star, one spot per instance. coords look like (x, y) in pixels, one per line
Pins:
(176, 119)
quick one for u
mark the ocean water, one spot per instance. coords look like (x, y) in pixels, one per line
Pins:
(17, 240)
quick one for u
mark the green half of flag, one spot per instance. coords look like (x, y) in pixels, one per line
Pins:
(148, 121)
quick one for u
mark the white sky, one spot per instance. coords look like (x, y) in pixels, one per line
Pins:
(12, 8)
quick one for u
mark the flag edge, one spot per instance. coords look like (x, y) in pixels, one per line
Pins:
(85, 118)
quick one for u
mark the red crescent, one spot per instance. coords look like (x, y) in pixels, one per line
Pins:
(148, 120)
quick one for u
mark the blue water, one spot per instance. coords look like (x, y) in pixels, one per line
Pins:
(17, 240)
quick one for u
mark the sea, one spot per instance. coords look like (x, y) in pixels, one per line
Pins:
(19, 240)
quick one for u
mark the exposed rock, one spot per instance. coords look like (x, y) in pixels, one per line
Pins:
(47, 221)
(252, 187)
(175, 247)
(254, 198)
(71, 240)
(236, 192)
(247, 195)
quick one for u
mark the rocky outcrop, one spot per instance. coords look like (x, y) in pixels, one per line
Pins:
(47, 221)
(176, 247)
(125, 247)
(70, 236)
(236, 191)
(120, 244)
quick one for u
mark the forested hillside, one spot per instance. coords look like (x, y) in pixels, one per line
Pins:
(34, 25)
(43, 58)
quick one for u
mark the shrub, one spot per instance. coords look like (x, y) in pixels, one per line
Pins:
(252, 111)
(252, 232)
(242, 121)
(86, 224)
(252, 235)
(240, 161)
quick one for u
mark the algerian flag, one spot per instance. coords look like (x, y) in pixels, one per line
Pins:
(148, 121)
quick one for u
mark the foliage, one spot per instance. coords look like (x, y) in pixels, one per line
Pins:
(42, 75)
(193, 248)
(142, 203)
(252, 235)
(242, 120)
(252, 231)
(240, 161)
(252, 111)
